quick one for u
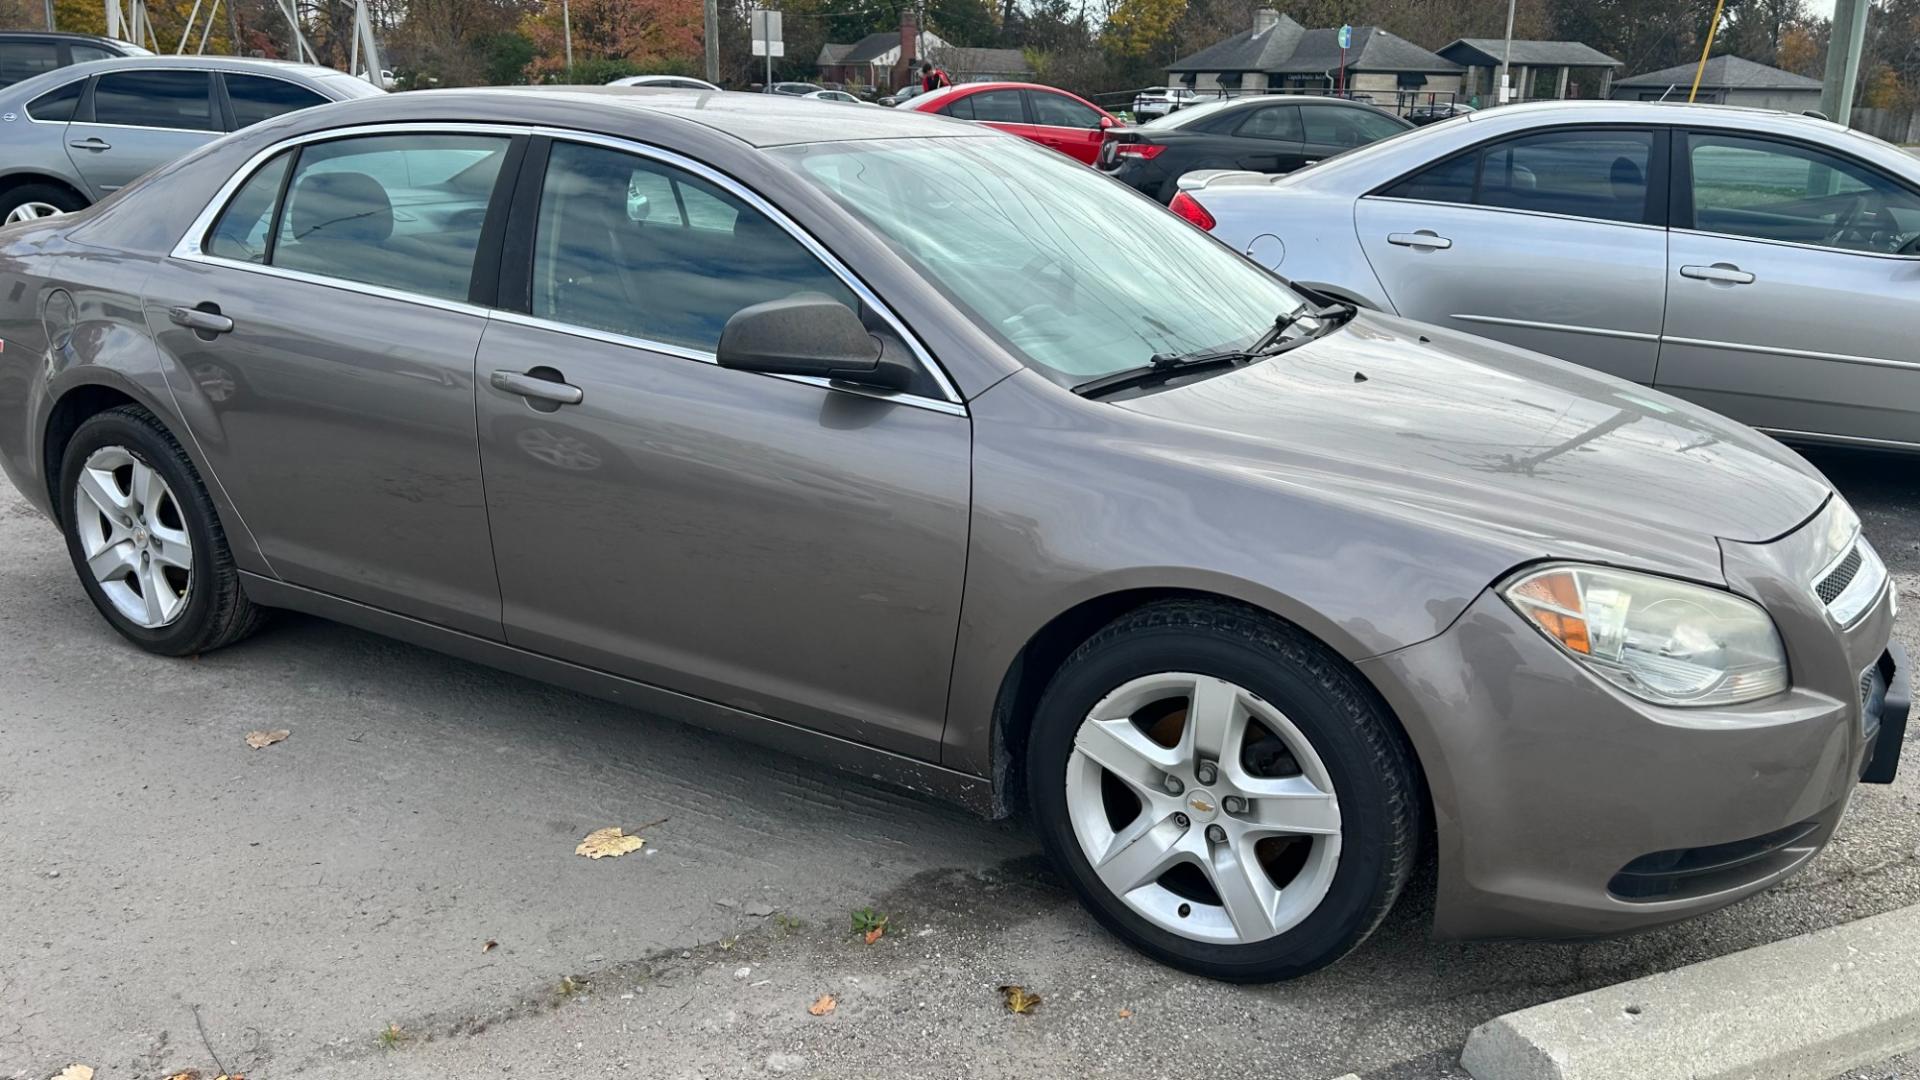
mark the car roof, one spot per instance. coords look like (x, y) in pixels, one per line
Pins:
(1648, 112)
(216, 63)
(62, 35)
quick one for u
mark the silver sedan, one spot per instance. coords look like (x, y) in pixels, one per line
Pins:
(1765, 265)
(75, 135)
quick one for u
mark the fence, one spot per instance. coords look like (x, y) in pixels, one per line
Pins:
(1894, 125)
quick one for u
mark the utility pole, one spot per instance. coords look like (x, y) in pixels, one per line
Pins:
(50, 25)
(1506, 59)
(566, 28)
(1844, 45)
(712, 40)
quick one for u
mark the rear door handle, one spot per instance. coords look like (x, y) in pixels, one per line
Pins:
(91, 144)
(1424, 240)
(208, 322)
(536, 388)
(1724, 273)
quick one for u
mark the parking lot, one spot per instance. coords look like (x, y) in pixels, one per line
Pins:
(324, 906)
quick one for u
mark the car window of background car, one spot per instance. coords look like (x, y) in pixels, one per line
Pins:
(255, 98)
(58, 104)
(1595, 174)
(1192, 114)
(241, 232)
(1777, 191)
(347, 87)
(398, 211)
(639, 248)
(1026, 240)
(156, 99)
(21, 60)
(1336, 126)
(83, 53)
(996, 106)
(1280, 122)
(1056, 110)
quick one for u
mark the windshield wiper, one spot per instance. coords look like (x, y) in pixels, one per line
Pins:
(1160, 366)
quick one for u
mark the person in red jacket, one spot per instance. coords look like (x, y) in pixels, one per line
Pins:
(933, 78)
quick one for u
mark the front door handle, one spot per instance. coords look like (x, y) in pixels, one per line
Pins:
(535, 388)
(91, 144)
(1425, 240)
(1722, 273)
(198, 319)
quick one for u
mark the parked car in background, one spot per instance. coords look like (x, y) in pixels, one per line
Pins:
(668, 82)
(1044, 114)
(792, 89)
(840, 96)
(27, 53)
(1359, 585)
(1274, 133)
(901, 96)
(75, 135)
(1763, 264)
(1162, 100)
(1434, 112)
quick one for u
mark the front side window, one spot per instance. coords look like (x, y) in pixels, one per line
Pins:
(255, 98)
(20, 60)
(56, 106)
(397, 211)
(1278, 122)
(1593, 174)
(1025, 241)
(1056, 110)
(180, 100)
(1796, 194)
(635, 247)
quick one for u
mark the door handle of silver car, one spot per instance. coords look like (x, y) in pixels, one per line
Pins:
(1724, 273)
(208, 322)
(1426, 241)
(536, 388)
(91, 144)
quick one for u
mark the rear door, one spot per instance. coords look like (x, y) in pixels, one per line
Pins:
(1551, 241)
(130, 122)
(1069, 126)
(1268, 139)
(1794, 278)
(1336, 129)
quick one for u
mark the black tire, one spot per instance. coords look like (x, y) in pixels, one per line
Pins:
(1365, 753)
(217, 611)
(51, 194)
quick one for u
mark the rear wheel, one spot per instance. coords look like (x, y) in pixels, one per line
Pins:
(29, 202)
(144, 538)
(1223, 792)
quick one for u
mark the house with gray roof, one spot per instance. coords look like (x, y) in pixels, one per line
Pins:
(982, 65)
(1574, 69)
(1277, 53)
(1728, 80)
(874, 60)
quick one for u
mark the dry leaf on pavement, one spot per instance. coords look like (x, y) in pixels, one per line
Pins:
(75, 1072)
(825, 1005)
(602, 843)
(261, 739)
(873, 935)
(489, 946)
(1126, 1014)
(1018, 1000)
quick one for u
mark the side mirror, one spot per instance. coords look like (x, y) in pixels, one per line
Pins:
(1107, 122)
(808, 335)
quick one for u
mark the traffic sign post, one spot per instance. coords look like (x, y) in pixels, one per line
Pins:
(1346, 42)
(766, 38)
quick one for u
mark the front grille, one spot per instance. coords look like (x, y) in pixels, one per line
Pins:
(1684, 872)
(1835, 583)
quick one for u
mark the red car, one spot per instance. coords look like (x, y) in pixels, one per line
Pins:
(1043, 114)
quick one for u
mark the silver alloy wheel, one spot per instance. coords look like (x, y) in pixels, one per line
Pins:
(32, 211)
(1200, 806)
(134, 537)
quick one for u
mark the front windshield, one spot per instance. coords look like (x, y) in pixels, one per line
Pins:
(1183, 117)
(1077, 275)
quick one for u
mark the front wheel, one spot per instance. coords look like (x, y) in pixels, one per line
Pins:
(1223, 792)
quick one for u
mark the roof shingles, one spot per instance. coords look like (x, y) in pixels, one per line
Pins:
(1287, 48)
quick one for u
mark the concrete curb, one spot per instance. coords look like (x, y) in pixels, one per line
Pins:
(1809, 1007)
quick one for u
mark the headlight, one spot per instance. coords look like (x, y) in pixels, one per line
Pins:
(1660, 640)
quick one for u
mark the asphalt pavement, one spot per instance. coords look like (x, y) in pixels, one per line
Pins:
(392, 891)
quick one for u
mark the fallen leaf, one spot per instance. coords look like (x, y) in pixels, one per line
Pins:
(75, 1072)
(825, 1005)
(1126, 1014)
(489, 946)
(262, 739)
(602, 843)
(873, 935)
(1018, 1000)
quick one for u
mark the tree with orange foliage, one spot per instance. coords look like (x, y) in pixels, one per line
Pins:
(646, 33)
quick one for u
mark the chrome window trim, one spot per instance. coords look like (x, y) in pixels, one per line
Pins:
(190, 248)
(1797, 246)
(1523, 213)
(1802, 354)
(26, 107)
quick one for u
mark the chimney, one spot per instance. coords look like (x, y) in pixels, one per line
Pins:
(1264, 19)
(909, 39)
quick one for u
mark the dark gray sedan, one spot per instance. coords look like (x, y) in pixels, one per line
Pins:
(74, 135)
(926, 452)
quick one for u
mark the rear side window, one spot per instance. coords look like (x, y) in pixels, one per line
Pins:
(179, 100)
(1280, 122)
(639, 248)
(255, 98)
(1346, 127)
(57, 105)
(241, 232)
(996, 106)
(21, 60)
(83, 53)
(1598, 174)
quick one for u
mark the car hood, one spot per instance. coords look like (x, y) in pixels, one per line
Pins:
(1484, 439)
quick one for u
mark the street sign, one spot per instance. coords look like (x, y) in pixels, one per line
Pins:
(1346, 37)
(766, 34)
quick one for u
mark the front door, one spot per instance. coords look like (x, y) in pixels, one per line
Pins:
(779, 546)
(322, 354)
(1547, 241)
(1066, 125)
(131, 122)
(1792, 297)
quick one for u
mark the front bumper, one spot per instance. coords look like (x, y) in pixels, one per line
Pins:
(1566, 808)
